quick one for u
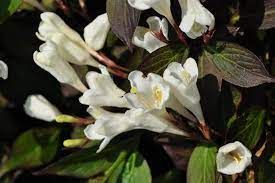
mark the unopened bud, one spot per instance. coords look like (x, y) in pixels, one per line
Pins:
(63, 118)
(72, 143)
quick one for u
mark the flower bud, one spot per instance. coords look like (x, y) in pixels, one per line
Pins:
(39, 107)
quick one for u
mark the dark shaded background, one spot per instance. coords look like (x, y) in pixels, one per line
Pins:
(18, 42)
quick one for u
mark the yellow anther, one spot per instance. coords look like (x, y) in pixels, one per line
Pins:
(236, 156)
(133, 90)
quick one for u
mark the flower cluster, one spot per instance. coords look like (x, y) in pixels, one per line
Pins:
(63, 46)
(150, 96)
(146, 102)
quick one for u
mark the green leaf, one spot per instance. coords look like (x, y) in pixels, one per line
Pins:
(234, 64)
(8, 7)
(136, 170)
(87, 163)
(249, 127)
(33, 148)
(123, 19)
(157, 61)
(202, 164)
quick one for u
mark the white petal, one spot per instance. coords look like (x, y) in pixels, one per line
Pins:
(196, 19)
(158, 25)
(227, 164)
(187, 22)
(103, 91)
(142, 4)
(96, 32)
(72, 52)
(145, 39)
(191, 67)
(49, 60)
(3, 70)
(160, 6)
(39, 107)
(151, 92)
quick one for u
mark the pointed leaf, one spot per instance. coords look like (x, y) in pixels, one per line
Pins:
(235, 64)
(202, 164)
(249, 127)
(136, 170)
(8, 7)
(33, 148)
(87, 163)
(123, 19)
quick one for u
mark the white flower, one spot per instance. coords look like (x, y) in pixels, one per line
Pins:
(103, 91)
(3, 70)
(147, 38)
(233, 158)
(108, 125)
(160, 6)
(96, 32)
(182, 80)
(39, 107)
(49, 60)
(148, 93)
(196, 19)
(153, 93)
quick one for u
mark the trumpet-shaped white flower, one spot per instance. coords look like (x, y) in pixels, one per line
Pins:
(3, 70)
(96, 32)
(103, 91)
(233, 158)
(182, 80)
(108, 125)
(160, 6)
(196, 19)
(48, 59)
(39, 107)
(152, 93)
(147, 38)
(147, 93)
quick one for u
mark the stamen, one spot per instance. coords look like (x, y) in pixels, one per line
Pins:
(236, 156)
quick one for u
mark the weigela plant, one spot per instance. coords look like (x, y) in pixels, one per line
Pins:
(144, 91)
